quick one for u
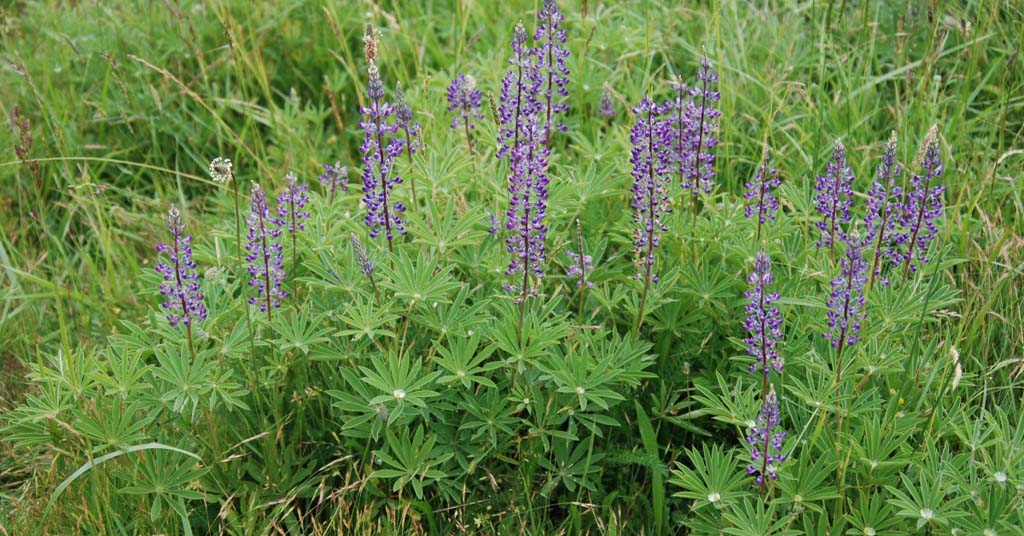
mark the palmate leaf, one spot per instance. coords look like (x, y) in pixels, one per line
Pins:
(411, 459)
(115, 426)
(716, 478)
(750, 517)
(186, 381)
(403, 382)
(418, 280)
(300, 331)
(465, 363)
(365, 319)
(459, 318)
(451, 227)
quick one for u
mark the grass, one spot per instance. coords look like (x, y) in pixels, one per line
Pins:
(126, 103)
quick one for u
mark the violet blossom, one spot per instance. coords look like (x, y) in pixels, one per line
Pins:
(266, 264)
(184, 298)
(551, 55)
(765, 440)
(334, 179)
(883, 208)
(922, 206)
(764, 321)
(697, 147)
(761, 200)
(835, 197)
(380, 147)
(650, 136)
(519, 137)
(291, 202)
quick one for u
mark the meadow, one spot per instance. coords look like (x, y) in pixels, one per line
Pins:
(472, 267)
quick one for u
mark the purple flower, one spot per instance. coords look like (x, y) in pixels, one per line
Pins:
(551, 55)
(464, 98)
(380, 147)
(883, 208)
(696, 148)
(528, 194)
(579, 266)
(607, 108)
(184, 299)
(847, 298)
(494, 223)
(335, 178)
(266, 265)
(518, 96)
(291, 202)
(765, 440)
(835, 197)
(922, 206)
(404, 120)
(759, 190)
(651, 138)
(366, 265)
(764, 322)
(519, 137)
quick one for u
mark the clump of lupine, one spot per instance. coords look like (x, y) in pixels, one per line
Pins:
(396, 403)
(464, 98)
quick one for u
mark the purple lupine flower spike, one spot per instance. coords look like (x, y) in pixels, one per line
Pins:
(464, 98)
(883, 208)
(334, 179)
(551, 55)
(579, 266)
(764, 321)
(494, 223)
(291, 202)
(184, 299)
(700, 140)
(405, 120)
(921, 208)
(519, 138)
(835, 198)
(650, 137)
(846, 301)
(366, 266)
(607, 108)
(765, 440)
(380, 147)
(761, 200)
(266, 263)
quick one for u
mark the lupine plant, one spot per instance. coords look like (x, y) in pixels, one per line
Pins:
(617, 323)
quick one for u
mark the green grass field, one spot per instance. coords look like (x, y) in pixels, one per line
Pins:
(286, 425)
